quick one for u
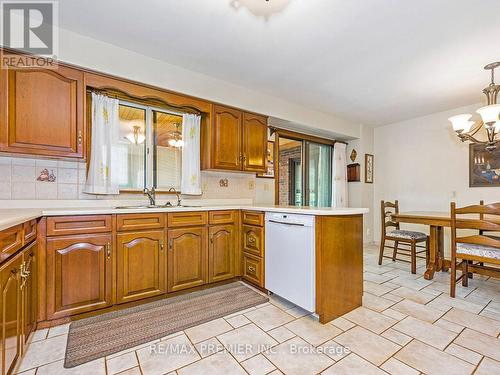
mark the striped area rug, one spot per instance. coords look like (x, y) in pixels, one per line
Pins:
(112, 332)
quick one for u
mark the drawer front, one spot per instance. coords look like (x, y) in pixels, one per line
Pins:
(253, 269)
(11, 240)
(63, 225)
(253, 240)
(186, 219)
(140, 221)
(29, 231)
(253, 218)
(221, 217)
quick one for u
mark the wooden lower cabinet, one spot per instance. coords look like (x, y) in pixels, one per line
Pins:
(221, 252)
(253, 269)
(29, 286)
(187, 258)
(140, 265)
(10, 314)
(79, 274)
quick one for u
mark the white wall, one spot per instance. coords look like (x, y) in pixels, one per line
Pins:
(423, 164)
(361, 193)
(94, 54)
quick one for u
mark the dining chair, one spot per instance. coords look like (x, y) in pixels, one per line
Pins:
(480, 248)
(401, 238)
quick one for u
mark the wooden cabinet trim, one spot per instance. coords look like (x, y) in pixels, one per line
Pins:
(126, 222)
(79, 224)
(253, 240)
(30, 230)
(253, 269)
(11, 240)
(185, 219)
(253, 218)
(222, 217)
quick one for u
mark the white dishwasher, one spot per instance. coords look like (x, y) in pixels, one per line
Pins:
(290, 258)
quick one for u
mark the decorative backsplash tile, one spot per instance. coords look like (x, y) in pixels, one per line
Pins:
(46, 176)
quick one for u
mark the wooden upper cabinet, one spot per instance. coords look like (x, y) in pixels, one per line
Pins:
(42, 111)
(79, 274)
(140, 265)
(254, 142)
(226, 138)
(234, 140)
(187, 258)
(221, 253)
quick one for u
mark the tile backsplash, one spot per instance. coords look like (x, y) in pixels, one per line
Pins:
(19, 179)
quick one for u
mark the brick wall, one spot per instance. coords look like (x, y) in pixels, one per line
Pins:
(284, 173)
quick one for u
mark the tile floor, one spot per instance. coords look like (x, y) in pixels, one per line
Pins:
(407, 325)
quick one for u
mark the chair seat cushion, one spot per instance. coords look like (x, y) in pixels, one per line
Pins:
(407, 235)
(478, 250)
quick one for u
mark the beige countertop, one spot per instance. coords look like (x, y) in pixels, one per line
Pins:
(11, 217)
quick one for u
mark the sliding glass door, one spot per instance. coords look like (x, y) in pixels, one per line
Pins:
(304, 173)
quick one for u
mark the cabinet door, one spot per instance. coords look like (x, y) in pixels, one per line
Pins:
(221, 253)
(254, 143)
(29, 287)
(253, 240)
(140, 265)
(226, 139)
(187, 258)
(10, 314)
(42, 111)
(79, 274)
(253, 269)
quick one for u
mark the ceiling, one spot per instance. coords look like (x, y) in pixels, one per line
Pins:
(370, 61)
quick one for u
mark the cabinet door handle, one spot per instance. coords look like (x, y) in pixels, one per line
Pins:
(161, 245)
(212, 238)
(251, 269)
(170, 244)
(108, 250)
(80, 137)
(251, 240)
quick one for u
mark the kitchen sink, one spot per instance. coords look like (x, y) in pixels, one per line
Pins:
(151, 206)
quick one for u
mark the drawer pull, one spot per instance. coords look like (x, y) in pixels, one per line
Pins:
(251, 268)
(170, 244)
(80, 138)
(251, 239)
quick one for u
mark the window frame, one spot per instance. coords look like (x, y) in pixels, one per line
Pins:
(148, 143)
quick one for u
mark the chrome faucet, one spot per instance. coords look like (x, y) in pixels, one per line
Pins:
(177, 195)
(151, 193)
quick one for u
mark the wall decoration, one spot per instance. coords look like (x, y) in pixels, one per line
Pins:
(369, 168)
(45, 176)
(484, 166)
(269, 162)
(354, 154)
(353, 172)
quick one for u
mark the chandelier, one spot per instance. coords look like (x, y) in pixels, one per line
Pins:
(466, 129)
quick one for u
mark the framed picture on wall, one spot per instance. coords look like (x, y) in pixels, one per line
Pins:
(269, 161)
(369, 168)
(484, 166)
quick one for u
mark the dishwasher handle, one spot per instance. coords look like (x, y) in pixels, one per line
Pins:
(281, 222)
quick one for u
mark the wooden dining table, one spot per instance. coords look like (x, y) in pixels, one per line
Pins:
(436, 221)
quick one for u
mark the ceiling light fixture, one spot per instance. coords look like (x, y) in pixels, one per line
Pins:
(261, 8)
(136, 137)
(466, 129)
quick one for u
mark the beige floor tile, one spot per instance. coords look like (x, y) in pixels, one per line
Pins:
(204, 331)
(370, 319)
(456, 302)
(377, 278)
(238, 321)
(476, 322)
(246, 341)
(376, 303)
(393, 297)
(209, 347)
(368, 345)
(342, 323)
(334, 350)
(43, 352)
(432, 361)
(463, 353)
(453, 327)
(258, 365)
(167, 356)
(282, 303)
(394, 314)
(488, 367)
(40, 334)
(409, 282)
(353, 364)
(297, 312)
(397, 337)
(219, 363)
(121, 363)
(425, 332)
(480, 343)
(269, 317)
(62, 329)
(377, 289)
(96, 367)
(134, 348)
(311, 330)
(395, 367)
(281, 334)
(239, 313)
(29, 372)
(297, 357)
(134, 371)
(417, 310)
(414, 295)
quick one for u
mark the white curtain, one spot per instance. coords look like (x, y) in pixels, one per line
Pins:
(339, 176)
(103, 175)
(191, 176)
